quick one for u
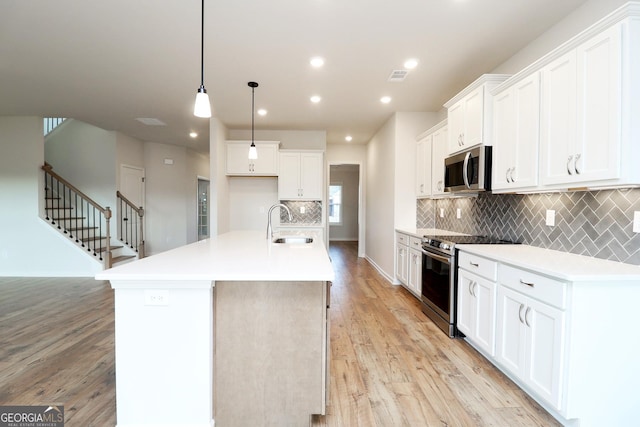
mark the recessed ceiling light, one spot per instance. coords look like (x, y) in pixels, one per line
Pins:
(385, 99)
(410, 64)
(315, 99)
(317, 61)
(262, 112)
(193, 134)
(348, 138)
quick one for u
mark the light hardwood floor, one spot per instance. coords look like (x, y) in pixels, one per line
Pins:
(390, 365)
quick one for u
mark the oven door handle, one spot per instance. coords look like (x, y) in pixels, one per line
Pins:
(436, 256)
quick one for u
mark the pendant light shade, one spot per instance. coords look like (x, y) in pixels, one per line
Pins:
(202, 106)
(253, 152)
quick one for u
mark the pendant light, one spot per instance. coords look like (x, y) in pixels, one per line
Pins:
(253, 152)
(202, 106)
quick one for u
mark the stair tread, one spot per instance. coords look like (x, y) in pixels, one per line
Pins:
(121, 258)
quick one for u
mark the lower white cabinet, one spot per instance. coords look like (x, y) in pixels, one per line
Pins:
(409, 262)
(476, 310)
(402, 260)
(415, 270)
(530, 342)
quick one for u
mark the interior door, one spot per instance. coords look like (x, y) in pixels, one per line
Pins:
(132, 187)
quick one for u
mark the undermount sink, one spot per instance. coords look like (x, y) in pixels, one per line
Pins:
(293, 239)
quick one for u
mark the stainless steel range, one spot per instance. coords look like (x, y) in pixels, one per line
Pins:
(439, 277)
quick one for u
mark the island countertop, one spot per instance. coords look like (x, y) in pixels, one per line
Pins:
(236, 255)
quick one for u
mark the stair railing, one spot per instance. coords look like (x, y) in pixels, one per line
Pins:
(131, 227)
(78, 216)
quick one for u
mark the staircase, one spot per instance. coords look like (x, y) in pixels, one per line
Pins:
(86, 223)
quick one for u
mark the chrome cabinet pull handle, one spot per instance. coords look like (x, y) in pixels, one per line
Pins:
(527, 283)
(526, 313)
(520, 313)
(513, 169)
(474, 264)
(470, 285)
(568, 163)
(506, 175)
(575, 164)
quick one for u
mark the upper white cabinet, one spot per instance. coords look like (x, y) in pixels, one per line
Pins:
(301, 175)
(516, 124)
(581, 113)
(469, 114)
(423, 165)
(438, 154)
(238, 162)
(431, 150)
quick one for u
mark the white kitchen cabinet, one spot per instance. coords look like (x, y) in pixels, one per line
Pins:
(530, 343)
(301, 175)
(423, 165)
(414, 279)
(581, 113)
(469, 114)
(476, 301)
(438, 154)
(238, 162)
(516, 124)
(402, 258)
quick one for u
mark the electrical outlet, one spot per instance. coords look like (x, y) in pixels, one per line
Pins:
(441, 212)
(636, 222)
(458, 213)
(550, 218)
(156, 297)
(303, 209)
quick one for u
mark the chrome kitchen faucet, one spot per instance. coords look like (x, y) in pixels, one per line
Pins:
(269, 229)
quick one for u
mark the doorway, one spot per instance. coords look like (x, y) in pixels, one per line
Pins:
(345, 204)
(203, 209)
(132, 186)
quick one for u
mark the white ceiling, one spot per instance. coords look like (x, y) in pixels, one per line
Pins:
(110, 62)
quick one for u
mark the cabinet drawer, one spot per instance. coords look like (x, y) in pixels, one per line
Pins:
(402, 239)
(545, 289)
(476, 264)
(415, 243)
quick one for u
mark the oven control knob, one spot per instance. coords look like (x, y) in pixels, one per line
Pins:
(445, 246)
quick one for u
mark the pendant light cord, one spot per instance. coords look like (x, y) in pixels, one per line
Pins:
(253, 91)
(202, 47)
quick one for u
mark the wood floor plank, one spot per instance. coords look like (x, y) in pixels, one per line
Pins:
(390, 365)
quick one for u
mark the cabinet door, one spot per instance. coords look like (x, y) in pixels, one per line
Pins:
(558, 127)
(466, 302)
(402, 264)
(473, 118)
(597, 152)
(288, 177)
(484, 292)
(438, 154)
(546, 330)
(311, 176)
(524, 172)
(455, 121)
(238, 159)
(423, 166)
(511, 332)
(415, 271)
(267, 161)
(504, 143)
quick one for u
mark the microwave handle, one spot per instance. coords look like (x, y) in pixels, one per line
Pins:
(465, 166)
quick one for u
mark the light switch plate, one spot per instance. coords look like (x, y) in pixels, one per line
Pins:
(441, 212)
(636, 222)
(551, 218)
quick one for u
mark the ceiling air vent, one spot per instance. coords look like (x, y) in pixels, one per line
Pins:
(150, 121)
(397, 75)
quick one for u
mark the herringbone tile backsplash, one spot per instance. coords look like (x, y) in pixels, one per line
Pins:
(593, 223)
(312, 215)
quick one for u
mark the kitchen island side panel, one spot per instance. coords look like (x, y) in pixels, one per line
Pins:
(270, 352)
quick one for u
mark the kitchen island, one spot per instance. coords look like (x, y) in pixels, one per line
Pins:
(233, 328)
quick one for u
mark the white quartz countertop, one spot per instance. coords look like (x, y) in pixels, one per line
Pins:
(420, 232)
(237, 255)
(560, 265)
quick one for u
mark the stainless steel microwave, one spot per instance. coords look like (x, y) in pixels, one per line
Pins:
(469, 171)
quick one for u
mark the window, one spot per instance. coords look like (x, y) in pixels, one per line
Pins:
(335, 204)
(203, 209)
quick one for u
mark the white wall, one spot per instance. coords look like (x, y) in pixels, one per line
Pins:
(349, 178)
(85, 156)
(577, 21)
(28, 245)
(197, 166)
(289, 139)
(219, 218)
(130, 152)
